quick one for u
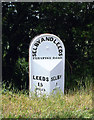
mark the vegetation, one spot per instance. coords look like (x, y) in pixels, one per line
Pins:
(77, 104)
(72, 22)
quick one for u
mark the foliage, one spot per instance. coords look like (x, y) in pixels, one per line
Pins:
(72, 22)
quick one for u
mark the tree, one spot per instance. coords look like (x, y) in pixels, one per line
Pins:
(72, 22)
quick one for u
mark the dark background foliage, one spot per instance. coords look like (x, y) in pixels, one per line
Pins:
(72, 22)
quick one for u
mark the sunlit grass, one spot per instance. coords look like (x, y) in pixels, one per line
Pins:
(72, 105)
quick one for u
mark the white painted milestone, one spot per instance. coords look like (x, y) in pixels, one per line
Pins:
(46, 64)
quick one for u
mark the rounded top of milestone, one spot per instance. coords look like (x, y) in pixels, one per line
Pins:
(46, 46)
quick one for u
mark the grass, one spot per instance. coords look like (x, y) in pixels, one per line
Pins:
(76, 104)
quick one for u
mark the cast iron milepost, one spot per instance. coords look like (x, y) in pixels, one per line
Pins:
(46, 64)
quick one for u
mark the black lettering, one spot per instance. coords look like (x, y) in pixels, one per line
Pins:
(38, 41)
(58, 77)
(59, 47)
(35, 48)
(57, 44)
(39, 77)
(40, 89)
(44, 90)
(42, 39)
(54, 41)
(33, 53)
(51, 38)
(52, 78)
(40, 84)
(60, 51)
(47, 79)
(36, 77)
(55, 77)
(33, 77)
(36, 44)
(60, 54)
(48, 39)
(56, 84)
(43, 78)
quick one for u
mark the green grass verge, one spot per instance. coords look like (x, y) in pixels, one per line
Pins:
(72, 105)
